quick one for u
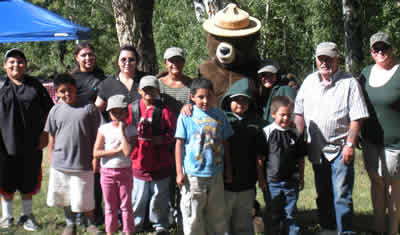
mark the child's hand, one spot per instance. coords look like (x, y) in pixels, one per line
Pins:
(301, 183)
(262, 184)
(187, 110)
(180, 179)
(122, 126)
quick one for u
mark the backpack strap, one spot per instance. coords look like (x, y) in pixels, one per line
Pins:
(135, 112)
(156, 118)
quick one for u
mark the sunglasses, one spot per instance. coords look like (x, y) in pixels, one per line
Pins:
(382, 48)
(127, 60)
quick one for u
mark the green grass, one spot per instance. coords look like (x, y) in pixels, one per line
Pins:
(52, 219)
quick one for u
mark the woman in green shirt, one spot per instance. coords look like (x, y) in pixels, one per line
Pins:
(381, 133)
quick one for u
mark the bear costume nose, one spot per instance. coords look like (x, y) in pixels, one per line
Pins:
(225, 53)
(224, 50)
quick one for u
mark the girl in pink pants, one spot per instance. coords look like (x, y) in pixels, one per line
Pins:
(113, 146)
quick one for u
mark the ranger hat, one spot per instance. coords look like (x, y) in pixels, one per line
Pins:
(232, 22)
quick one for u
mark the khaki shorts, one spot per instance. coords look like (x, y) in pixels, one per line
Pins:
(202, 205)
(74, 189)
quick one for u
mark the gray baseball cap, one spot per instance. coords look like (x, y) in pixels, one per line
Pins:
(150, 81)
(380, 37)
(14, 52)
(240, 94)
(116, 101)
(269, 66)
(327, 48)
(174, 51)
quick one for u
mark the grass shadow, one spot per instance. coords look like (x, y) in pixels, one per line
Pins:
(309, 223)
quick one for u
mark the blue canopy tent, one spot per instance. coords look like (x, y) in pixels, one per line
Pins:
(23, 21)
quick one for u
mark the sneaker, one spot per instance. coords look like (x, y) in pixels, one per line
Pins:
(6, 222)
(29, 222)
(93, 230)
(70, 229)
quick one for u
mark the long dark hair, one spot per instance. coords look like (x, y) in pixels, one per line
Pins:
(98, 72)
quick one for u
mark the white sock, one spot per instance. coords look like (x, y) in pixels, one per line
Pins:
(26, 207)
(7, 208)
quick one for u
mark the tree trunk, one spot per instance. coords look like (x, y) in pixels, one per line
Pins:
(133, 20)
(352, 36)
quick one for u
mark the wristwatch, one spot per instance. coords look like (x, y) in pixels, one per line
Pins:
(349, 144)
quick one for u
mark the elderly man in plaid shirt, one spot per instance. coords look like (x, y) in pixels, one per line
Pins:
(330, 105)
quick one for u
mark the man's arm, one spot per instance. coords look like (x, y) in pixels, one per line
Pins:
(260, 172)
(299, 121)
(51, 146)
(43, 140)
(348, 149)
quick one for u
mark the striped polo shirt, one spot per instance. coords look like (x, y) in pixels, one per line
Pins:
(328, 111)
(175, 98)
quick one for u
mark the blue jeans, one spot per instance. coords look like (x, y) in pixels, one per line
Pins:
(280, 216)
(334, 183)
(157, 193)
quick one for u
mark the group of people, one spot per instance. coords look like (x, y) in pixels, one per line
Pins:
(144, 136)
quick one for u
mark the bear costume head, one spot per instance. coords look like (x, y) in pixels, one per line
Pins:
(231, 42)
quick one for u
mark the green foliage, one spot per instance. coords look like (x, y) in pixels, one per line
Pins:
(381, 16)
(285, 35)
(175, 25)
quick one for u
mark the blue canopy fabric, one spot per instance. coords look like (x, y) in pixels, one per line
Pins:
(23, 21)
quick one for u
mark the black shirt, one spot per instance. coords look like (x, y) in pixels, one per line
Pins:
(23, 113)
(112, 86)
(87, 84)
(284, 148)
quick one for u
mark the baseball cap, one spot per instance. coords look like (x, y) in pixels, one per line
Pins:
(150, 81)
(269, 66)
(327, 48)
(380, 37)
(174, 51)
(14, 52)
(116, 101)
(240, 94)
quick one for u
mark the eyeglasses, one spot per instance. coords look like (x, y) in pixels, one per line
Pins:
(382, 48)
(127, 60)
